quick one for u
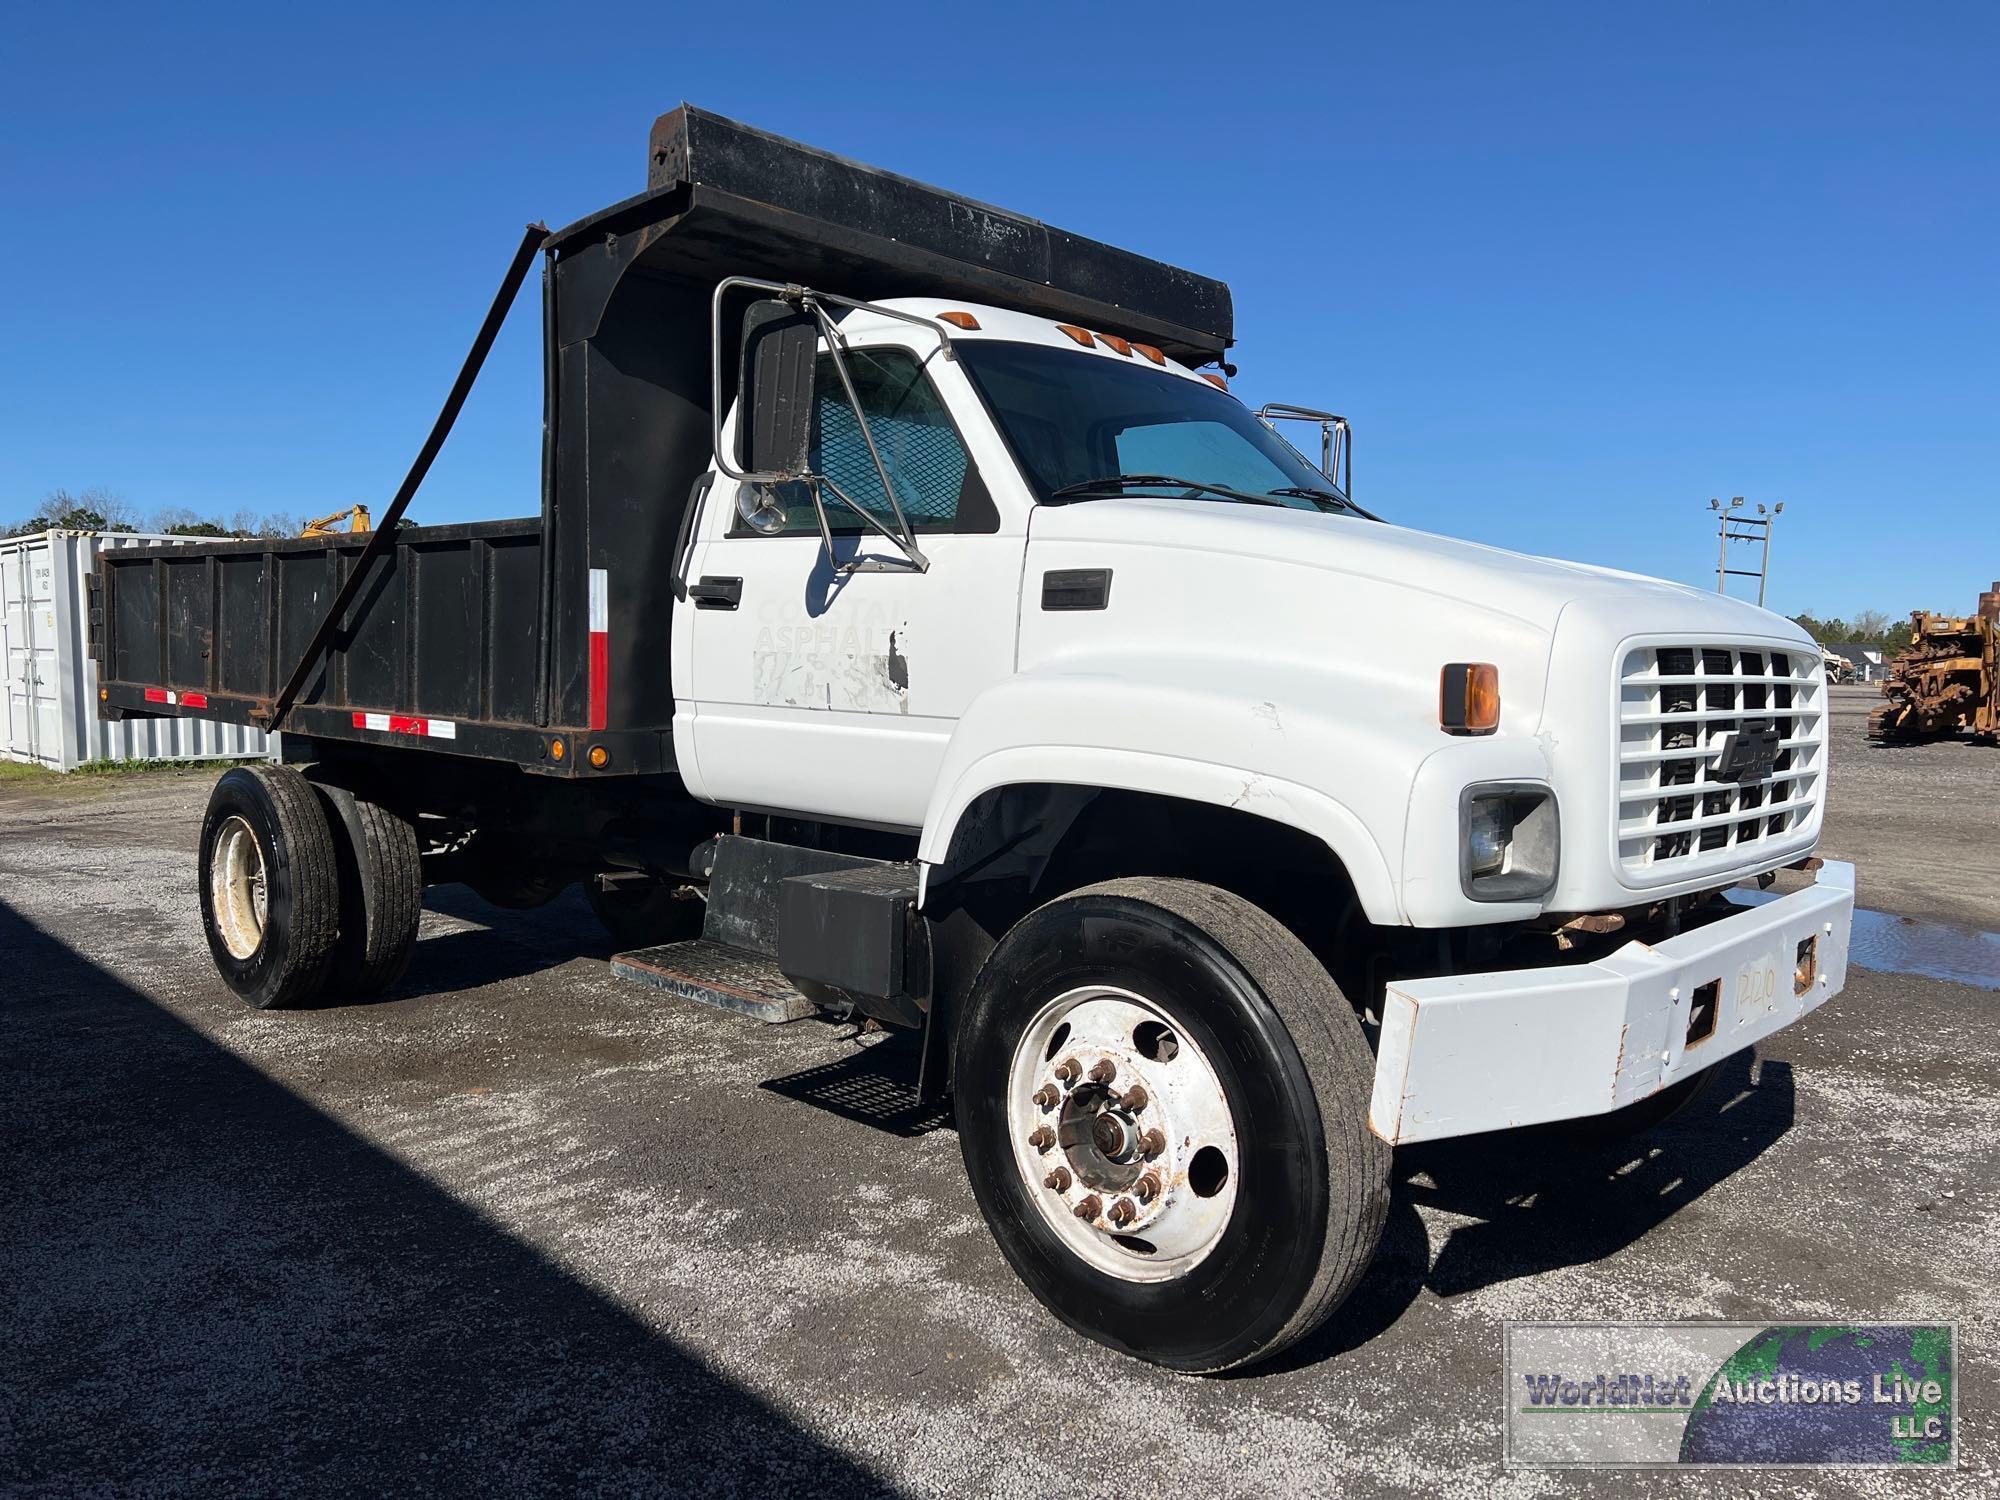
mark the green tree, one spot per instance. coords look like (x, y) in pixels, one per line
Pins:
(93, 509)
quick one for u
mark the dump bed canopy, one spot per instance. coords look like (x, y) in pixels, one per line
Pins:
(728, 200)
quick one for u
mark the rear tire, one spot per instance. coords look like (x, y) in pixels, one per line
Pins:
(1270, 1190)
(270, 889)
(381, 896)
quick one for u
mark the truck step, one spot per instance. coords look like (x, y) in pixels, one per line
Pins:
(719, 975)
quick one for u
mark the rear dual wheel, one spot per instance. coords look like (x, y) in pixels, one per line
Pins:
(1162, 1100)
(300, 899)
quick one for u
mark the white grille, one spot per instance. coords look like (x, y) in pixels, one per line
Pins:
(1677, 705)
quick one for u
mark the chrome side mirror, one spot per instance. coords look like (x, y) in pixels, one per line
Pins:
(1336, 440)
(777, 383)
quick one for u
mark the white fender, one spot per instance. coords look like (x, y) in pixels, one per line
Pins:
(1079, 728)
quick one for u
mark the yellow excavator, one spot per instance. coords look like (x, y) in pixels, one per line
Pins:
(356, 516)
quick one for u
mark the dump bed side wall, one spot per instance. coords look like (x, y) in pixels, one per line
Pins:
(447, 623)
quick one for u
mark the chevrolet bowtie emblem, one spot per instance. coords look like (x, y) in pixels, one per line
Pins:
(1749, 753)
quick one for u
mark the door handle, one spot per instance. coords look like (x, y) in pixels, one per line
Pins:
(716, 593)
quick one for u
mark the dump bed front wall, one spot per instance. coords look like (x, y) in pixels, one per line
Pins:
(632, 435)
(916, 237)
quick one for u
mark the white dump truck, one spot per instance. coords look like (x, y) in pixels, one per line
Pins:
(917, 628)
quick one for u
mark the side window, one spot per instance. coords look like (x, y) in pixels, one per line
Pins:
(935, 481)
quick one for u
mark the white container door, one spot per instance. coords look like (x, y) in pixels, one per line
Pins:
(19, 708)
(28, 606)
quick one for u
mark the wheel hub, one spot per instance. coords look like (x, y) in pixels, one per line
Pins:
(237, 887)
(1138, 1173)
(1100, 1140)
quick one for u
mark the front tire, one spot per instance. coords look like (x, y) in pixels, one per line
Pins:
(270, 892)
(1223, 1212)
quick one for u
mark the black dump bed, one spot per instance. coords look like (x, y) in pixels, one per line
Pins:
(496, 639)
(443, 633)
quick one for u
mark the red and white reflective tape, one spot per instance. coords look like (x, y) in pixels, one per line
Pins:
(185, 700)
(600, 648)
(437, 729)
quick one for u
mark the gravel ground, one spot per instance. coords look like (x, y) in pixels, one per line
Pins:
(1919, 820)
(527, 1227)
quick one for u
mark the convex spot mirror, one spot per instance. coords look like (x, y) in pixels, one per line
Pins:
(759, 507)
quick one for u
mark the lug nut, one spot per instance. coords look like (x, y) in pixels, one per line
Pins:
(1068, 1070)
(1134, 1099)
(1058, 1179)
(1048, 1096)
(1153, 1142)
(1104, 1072)
(1041, 1138)
(1124, 1211)
(1147, 1187)
(1090, 1207)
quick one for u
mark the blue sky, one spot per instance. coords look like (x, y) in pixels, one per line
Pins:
(1570, 270)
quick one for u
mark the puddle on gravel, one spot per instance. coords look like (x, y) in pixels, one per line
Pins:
(1905, 945)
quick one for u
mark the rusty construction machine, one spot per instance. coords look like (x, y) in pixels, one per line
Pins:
(1947, 680)
(356, 517)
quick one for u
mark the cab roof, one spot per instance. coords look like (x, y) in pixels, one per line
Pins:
(1004, 324)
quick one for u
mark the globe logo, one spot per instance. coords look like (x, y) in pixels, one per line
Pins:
(1828, 1395)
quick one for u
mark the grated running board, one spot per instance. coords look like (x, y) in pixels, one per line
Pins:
(718, 975)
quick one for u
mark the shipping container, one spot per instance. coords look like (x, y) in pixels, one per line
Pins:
(49, 716)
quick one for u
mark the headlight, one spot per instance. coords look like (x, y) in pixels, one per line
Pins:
(1508, 841)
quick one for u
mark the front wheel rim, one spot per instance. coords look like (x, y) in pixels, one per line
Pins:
(238, 888)
(1122, 1134)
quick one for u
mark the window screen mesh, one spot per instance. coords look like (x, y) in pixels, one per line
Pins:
(919, 446)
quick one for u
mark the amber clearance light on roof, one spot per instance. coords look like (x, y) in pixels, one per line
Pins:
(1469, 697)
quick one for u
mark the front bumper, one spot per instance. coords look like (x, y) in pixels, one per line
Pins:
(1472, 1052)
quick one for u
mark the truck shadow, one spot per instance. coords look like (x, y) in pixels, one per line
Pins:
(215, 1287)
(500, 945)
(875, 1085)
(1543, 1203)
(1546, 1202)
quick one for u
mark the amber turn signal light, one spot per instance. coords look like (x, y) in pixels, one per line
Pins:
(963, 320)
(599, 757)
(557, 749)
(1116, 344)
(1081, 335)
(1151, 353)
(1215, 380)
(1469, 697)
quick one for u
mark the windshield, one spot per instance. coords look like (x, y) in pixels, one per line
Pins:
(1078, 422)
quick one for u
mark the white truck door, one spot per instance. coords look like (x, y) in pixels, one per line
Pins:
(832, 694)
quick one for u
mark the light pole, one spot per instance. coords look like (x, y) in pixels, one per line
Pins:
(1732, 526)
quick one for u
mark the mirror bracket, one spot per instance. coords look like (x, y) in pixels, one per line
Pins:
(814, 304)
(1336, 440)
